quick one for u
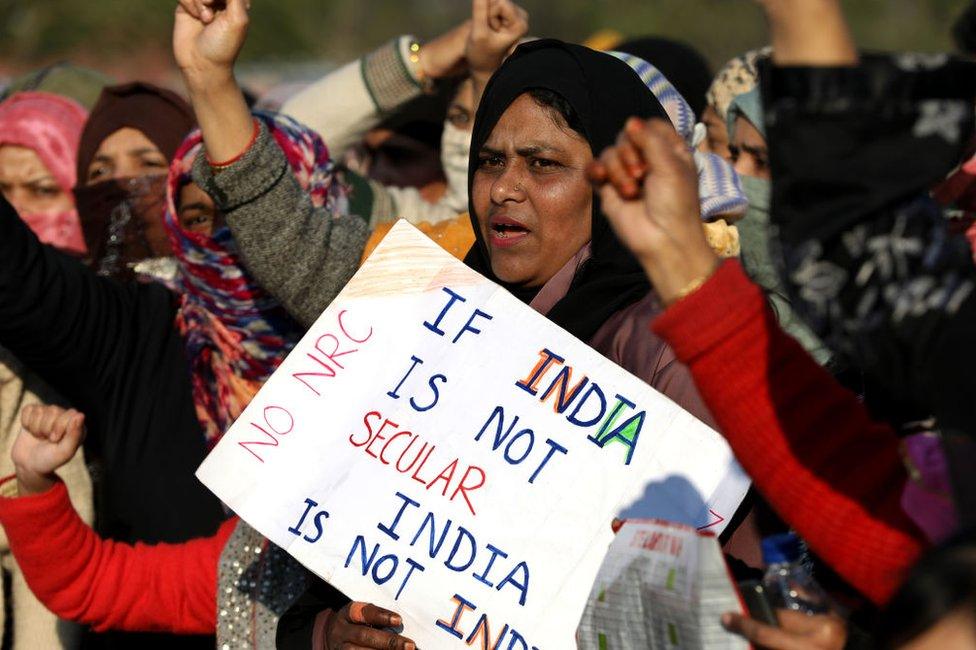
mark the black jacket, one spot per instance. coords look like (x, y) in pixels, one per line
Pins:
(112, 350)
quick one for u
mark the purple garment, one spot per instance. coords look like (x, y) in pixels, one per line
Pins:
(926, 498)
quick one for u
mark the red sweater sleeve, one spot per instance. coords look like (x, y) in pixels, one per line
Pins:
(109, 585)
(809, 445)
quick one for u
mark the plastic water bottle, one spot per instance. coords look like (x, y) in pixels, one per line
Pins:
(788, 583)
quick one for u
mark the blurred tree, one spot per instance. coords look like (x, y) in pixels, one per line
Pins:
(41, 30)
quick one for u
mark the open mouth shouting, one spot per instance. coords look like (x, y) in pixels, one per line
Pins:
(504, 231)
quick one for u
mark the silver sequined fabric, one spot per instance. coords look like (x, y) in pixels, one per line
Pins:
(256, 583)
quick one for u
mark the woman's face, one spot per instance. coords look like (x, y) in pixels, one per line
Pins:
(531, 195)
(28, 184)
(197, 212)
(716, 135)
(461, 110)
(750, 155)
(127, 153)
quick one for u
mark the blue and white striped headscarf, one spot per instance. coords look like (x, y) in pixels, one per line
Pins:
(719, 189)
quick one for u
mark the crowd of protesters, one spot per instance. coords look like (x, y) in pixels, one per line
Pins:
(781, 249)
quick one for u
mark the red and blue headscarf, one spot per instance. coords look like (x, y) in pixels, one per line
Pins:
(236, 334)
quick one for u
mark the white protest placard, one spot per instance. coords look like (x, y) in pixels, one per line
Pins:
(436, 447)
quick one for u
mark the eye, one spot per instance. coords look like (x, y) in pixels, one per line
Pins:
(459, 120)
(97, 172)
(48, 192)
(154, 163)
(544, 163)
(734, 153)
(490, 161)
(196, 221)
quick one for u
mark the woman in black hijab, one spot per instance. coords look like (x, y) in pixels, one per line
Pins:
(560, 105)
(540, 233)
(539, 228)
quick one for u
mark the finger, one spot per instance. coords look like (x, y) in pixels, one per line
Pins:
(205, 11)
(663, 150)
(480, 10)
(631, 155)
(75, 430)
(760, 634)
(60, 425)
(502, 15)
(515, 18)
(237, 11)
(30, 417)
(380, 639)
(617, 174)
(48, 419)
(798, 621)
(373, 615)
(189, 7)
(596, 172)
(825, 629)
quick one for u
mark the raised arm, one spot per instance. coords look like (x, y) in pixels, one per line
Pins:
(809, 32)
(346, 103)
(868, 256)
(301, 252)
(78, 575)
(810, 446)
(58, 317)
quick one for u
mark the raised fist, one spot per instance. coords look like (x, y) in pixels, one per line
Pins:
(208, 36)
(50, 437)
(496, 28)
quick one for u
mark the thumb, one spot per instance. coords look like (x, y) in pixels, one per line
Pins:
(75, 433)
(237, 11)
(480, 13)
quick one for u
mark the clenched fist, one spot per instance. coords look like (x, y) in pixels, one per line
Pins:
(208, 36)
(50, 437)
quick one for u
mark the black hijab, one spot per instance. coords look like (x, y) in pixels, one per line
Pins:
(604, 92)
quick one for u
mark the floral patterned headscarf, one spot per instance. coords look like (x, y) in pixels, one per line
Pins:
(236, 334)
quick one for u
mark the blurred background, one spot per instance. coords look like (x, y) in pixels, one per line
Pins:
(299, 39)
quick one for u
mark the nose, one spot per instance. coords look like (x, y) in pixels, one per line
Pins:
(509, 185)
(744, 165)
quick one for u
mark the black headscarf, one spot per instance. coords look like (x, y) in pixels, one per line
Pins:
(683, 65)
(604, 92)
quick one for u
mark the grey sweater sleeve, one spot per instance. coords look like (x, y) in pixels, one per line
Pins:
(301, 254)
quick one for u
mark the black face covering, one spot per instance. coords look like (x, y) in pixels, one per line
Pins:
(122, 221)
(604, 92)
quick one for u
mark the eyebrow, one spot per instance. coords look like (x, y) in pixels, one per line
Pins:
(41, 179)
(755, 151)
(196, 205)
(530, 150)
(143, 151)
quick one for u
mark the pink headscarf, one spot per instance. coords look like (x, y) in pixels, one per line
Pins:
(50, 125)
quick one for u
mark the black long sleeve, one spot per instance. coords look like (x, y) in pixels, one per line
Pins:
(113, 351)
(868, 255)
(296, 627)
